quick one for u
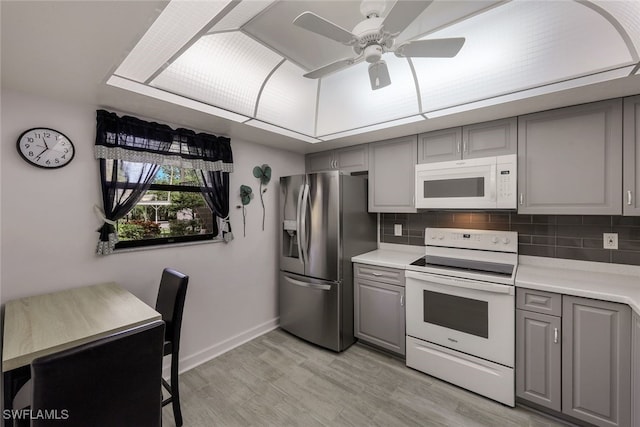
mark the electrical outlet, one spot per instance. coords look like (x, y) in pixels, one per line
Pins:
(397, 229)
(610, 240)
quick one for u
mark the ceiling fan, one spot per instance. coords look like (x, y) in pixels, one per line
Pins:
(375, 35)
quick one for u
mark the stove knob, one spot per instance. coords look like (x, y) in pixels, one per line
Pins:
(441, 236)
(505, 240)
(433, 237)
(494, 240)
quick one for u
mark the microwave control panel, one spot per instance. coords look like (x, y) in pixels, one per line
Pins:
(507, 178)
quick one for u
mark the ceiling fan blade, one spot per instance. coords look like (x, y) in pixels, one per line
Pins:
(402, 14)
(436, 48)
(331, 68)
(317, 24)
(379, 75)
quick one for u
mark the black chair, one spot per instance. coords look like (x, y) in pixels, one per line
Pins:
(170, 304)
(113, 381)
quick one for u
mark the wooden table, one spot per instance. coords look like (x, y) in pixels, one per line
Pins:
(44, 324)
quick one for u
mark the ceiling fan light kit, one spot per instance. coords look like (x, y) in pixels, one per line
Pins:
(375, 36)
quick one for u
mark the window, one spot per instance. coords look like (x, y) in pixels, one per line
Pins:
(160, 185)
(172, 210)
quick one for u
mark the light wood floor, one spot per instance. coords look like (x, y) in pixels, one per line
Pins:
(280, 380)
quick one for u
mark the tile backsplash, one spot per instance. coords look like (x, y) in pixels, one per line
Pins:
(558, 236)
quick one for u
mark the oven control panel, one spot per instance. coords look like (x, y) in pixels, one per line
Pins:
(490, 240)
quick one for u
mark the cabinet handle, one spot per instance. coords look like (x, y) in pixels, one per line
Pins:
(465, 147)
(376, 274)
(521, 199)
(401, 300)
(629, 197)
(337, 164)
(555, 335)
(458, 146)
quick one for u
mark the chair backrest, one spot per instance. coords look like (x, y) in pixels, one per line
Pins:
(114, 381)
(170, 303)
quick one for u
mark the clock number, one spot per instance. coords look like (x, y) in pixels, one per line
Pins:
(26, 146)
(66, 150)
(30, 139)
(47, 135)
(31, 153)
(37, 135)
(48, 162)
(38, 158)
(64, 156)
(57, 160)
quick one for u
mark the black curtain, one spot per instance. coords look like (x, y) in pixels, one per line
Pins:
(131, 152)
(214, 185)
(124, 182)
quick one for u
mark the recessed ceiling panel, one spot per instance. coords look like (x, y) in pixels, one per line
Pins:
(178, 23)
(520, 45)
(240, 15)
(226, 70)
(275, 28)
(627, 13)
(289, 100)
(347, 101)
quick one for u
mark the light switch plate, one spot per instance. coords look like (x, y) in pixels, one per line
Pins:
(610, 240)
(397, 229)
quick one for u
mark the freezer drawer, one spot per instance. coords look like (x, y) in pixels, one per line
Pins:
(310, 309)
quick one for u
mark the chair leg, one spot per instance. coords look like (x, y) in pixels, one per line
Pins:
(175, 390)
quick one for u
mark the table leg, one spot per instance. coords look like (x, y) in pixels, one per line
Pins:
(12, 381)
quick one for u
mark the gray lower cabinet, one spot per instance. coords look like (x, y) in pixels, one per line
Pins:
(495, 138)
(631, 158)
(596, 361)
(538, 359)
(392, 179)
(577, 362)
(635, 378)
(379, 307)
(347, 160)
(569, 160)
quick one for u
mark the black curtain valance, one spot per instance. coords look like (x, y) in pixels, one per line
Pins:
(135, 140)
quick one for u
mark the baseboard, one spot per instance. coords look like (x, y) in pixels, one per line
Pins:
(189, 362)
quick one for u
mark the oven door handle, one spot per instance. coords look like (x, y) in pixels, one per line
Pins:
(461, 283)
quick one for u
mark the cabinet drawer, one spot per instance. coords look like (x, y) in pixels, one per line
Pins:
(539, 301)
(392, 276)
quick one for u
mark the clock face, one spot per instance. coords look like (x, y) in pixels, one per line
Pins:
(45, 148)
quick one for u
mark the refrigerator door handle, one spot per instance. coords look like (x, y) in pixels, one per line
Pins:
(299, 224)
(303, 224)
(307, 284)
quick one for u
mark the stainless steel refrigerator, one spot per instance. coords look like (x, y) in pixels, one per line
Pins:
(324, 222)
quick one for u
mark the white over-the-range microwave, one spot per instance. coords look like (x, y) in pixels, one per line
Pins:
(484, 183)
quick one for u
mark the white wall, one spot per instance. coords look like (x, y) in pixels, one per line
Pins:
(49, 234)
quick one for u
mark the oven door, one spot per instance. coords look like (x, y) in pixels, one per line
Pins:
(457, 184)
(473, 317)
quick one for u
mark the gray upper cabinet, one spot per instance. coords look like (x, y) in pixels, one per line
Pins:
(631, 167)
(347, 160)
(569, 160)
(495, 138)
(392, 175)
(596, 361)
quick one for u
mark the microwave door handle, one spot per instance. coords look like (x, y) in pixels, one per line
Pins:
(299, 224)
(492, 183)
(461, 283)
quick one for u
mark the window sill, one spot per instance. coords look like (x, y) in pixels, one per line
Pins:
(166, 246)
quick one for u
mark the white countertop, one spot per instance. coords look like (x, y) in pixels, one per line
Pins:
(609, 282)
(390, 255)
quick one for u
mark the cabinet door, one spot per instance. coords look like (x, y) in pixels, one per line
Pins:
(319, 162)
(440, 145)
(538, 358)
(496, 138)
(379, 314)
(635, 357)
(353, 159)
(392, 175)
(631, 170)
(569, 160)
(596, 361)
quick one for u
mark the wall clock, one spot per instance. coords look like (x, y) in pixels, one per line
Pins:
(45, 148)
